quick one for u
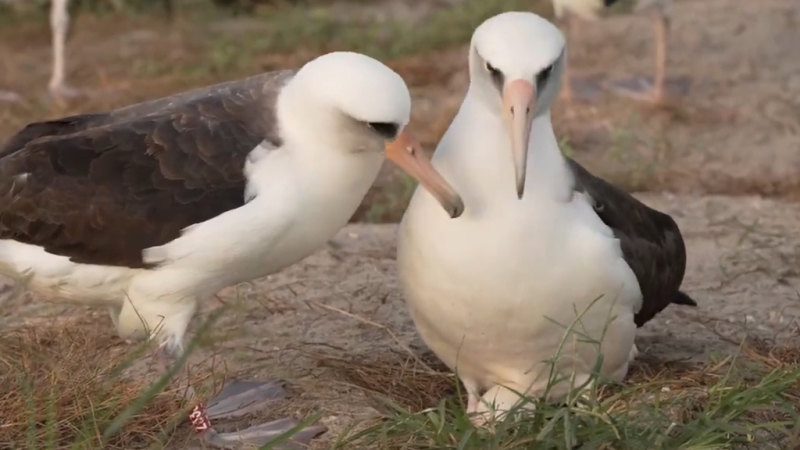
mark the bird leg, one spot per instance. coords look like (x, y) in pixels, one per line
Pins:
(572, 88)
(59, 90)
(59, 24)
(634, 353)
(495, 405)
(661, 28)
(167, 322)
(473, 396)
(239, 398)
(640, 88)
(473, 400)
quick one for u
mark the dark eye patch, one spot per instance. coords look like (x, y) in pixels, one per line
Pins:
(497, 75)
(385, 129)
(542, 77)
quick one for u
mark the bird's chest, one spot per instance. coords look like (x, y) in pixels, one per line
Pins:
(289, 216)
(501, 283)
(502, 264)
(307, 232)
(318, 198)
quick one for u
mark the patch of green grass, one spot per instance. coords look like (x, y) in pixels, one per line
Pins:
(566, 147)
(635, 167)
(388, 203)
(454, 25)
(62, 397)
(729, 404)
(320, 29)
(69, 388)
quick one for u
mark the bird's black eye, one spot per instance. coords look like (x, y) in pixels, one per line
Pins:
(385, 129)
(543, 76)
(497, 75)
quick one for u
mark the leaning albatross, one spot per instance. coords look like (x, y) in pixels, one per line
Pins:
(541, 241)
(151, 208)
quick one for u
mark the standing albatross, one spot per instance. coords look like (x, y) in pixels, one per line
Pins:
(151, 208)
(541, 240)
(658, 11)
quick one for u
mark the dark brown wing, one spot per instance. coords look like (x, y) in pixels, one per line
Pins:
(100, 188)
(651, 242)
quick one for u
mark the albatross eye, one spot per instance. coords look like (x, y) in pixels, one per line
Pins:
(497, 75)
(542, 76)
(386, 129)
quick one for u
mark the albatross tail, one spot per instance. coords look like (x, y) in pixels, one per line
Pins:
(681, 298)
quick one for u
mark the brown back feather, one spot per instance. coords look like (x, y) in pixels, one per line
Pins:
(100, 188)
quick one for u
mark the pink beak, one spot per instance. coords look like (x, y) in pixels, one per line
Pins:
(519, 103)
(406, 152)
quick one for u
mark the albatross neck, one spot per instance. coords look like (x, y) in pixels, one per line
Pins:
(320, 149)
(480, 140)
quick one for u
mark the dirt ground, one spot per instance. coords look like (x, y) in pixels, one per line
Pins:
(723, 160)
(343, 304)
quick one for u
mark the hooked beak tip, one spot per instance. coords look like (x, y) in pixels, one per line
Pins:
(457, 209)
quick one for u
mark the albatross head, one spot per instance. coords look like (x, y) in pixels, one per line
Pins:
(365, 106)
(516, 60)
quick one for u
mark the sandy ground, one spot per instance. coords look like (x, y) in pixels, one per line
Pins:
(344, 304)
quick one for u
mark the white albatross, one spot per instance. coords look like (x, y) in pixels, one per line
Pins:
(541, 240)
(152, 208)
(589, 10)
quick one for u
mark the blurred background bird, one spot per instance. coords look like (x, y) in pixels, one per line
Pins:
(59, 15)
(568, 12)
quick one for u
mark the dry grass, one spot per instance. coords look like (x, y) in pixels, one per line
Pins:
(745, 401)
(402, 382)
(65, 383)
